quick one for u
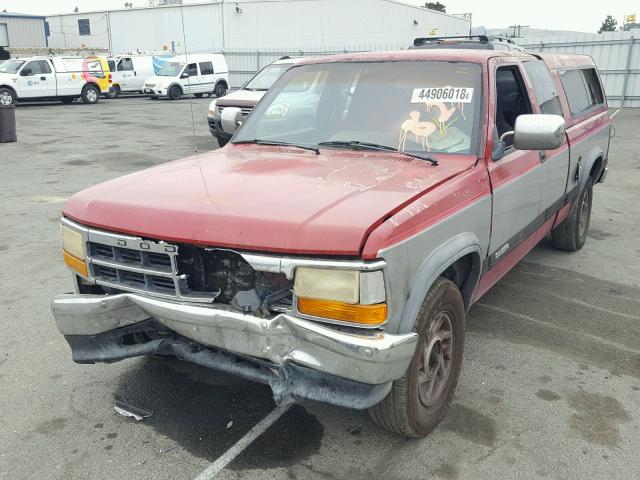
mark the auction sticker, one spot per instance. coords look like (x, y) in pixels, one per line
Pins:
(442, 94)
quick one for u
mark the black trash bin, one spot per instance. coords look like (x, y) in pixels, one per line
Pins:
(8, 124)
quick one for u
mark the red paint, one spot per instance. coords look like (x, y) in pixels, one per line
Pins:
(264, 198)
(467, 188)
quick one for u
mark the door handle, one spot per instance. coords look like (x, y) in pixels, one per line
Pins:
(43, 78)
(543, 156)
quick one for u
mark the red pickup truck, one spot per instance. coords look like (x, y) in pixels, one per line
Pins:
(332, 249)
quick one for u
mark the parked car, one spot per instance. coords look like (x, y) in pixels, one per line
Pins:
(130, 72)
(246, 97)
(196, 74)
(48, 78)
(332, 249)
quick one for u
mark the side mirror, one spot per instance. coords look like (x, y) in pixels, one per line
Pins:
(26, 72)
(231, 119)
(539, 132)
(184, 75)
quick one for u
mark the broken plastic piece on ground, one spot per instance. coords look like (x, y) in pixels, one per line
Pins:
(130, 410)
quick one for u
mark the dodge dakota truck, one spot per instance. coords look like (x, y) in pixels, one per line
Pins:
(333, 248)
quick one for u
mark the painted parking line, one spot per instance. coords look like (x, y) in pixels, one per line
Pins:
(216, 467)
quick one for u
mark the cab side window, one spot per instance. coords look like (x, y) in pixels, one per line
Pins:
(583, 90)
(31, 68)
(206, 68)
(192, 70)
(125, 65)
(512, 100)
(543, 87)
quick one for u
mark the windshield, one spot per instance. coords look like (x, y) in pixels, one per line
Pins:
(266, 77)
(409, 106)
(11, 66)
(171, 69)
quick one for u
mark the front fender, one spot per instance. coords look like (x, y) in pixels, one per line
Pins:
(433, 266)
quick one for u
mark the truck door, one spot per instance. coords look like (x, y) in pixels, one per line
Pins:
(37, 80)
(555, 163)
(190, 83)
(516, 176)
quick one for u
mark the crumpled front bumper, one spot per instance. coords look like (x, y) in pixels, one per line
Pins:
(368, 357)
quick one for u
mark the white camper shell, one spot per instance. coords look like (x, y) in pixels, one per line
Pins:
(196, 74)
(48, 77)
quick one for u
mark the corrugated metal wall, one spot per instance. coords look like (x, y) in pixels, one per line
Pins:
(249, 24)
(617, 55)
(24, 32)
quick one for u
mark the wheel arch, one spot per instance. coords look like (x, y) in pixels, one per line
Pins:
(459, 259)
(593, 166)
(222, 80)
(92, 84)
(13, 90)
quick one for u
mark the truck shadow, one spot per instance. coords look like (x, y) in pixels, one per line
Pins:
(206, 412)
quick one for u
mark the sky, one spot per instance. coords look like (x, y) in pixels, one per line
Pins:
(582, 16)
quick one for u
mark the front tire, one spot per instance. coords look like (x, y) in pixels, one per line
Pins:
(420, 399)
(90, 94)
(571, 234)
(175, 93)
(7, 97)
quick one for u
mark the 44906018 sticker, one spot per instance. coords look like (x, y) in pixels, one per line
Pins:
(442, 94)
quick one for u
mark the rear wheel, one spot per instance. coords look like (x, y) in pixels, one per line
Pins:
(114, 92)
(7, 97)
(420, 399)
(90, 94)
(175, 93)
(221, 90)
(571, 234)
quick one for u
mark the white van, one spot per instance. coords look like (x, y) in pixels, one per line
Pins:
(196, 74)
(130, 72)
(48, 77)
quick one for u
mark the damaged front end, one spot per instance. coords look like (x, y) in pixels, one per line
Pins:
(232, 311)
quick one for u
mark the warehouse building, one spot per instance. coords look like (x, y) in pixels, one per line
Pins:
(301, 25)
(22, 31)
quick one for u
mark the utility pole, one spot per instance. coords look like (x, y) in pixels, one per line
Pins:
(518, 28)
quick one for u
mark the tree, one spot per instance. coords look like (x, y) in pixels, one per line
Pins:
(609, 25)
(436, 6)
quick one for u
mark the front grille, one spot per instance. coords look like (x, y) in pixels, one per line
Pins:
(132, 264)
(121, 263)
(245, 110)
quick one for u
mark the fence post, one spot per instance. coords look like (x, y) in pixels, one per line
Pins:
(626, 72)
(257, 60)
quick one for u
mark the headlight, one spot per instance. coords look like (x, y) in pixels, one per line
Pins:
(345, 295)
(73, 250)
(212, 108)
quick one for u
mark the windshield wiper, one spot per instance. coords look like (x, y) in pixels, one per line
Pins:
(258, 141)
(376, 146)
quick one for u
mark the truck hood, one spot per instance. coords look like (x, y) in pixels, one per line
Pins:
(276, 199)
(241, 98)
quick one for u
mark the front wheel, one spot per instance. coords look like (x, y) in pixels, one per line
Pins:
(175, 93)
(420, 399)
(571, 234)
(7, 97)
(90, 94)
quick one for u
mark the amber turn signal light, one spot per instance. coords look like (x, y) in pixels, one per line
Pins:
(75, 263)
(362, 314)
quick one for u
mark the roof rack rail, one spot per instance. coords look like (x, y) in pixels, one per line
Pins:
(423, 40)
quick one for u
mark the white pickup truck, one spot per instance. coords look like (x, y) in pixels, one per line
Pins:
(46, 78)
